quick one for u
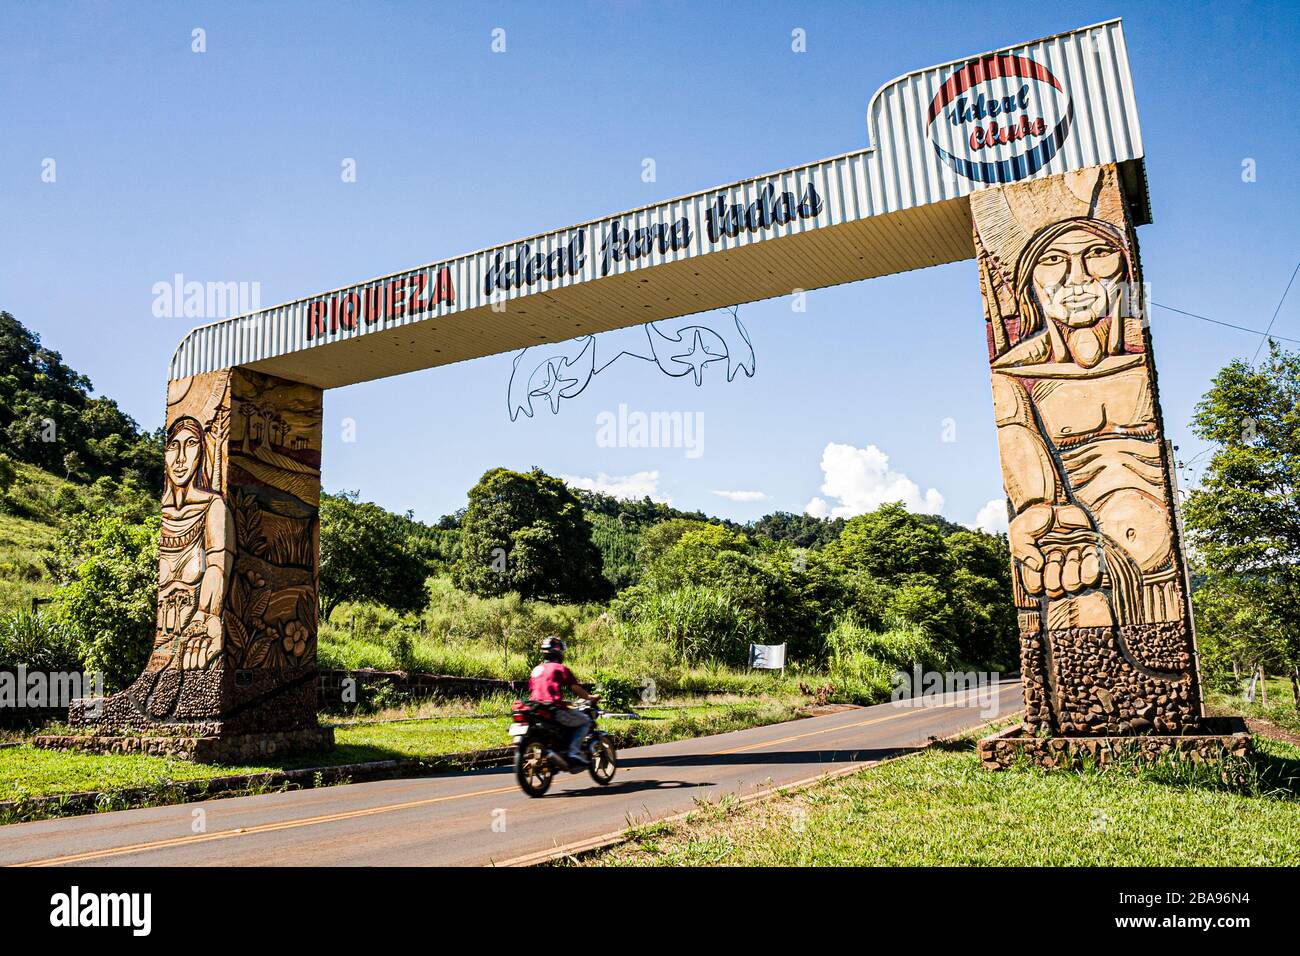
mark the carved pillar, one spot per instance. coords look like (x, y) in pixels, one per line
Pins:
(1097, 565)
(235, 645)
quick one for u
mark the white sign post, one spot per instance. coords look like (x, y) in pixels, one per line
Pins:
(767, 657)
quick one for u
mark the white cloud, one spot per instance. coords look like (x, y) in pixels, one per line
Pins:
(993, 517)
(862, 481)
(637, 486)
(742, 495)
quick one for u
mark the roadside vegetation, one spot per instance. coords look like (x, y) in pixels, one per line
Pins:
(941, 808)
(1243, 524)
(647, 596)
(659, 607)
(425, 732)
(1272, 704)
(890, 590)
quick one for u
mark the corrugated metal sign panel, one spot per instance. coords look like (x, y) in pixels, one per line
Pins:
(1040, 108)
(1077, 84)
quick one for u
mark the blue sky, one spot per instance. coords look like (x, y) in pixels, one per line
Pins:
(225, 166)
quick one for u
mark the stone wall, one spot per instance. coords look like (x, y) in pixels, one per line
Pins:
(11, 715)
(1002, 751)
(224, 748)
(1101, 687)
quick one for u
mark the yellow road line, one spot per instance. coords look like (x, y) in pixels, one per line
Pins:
(392, 807)
(862, 723)
(261, 828)
(813, 733)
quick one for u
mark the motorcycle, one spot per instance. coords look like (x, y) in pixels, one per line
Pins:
(541, 744)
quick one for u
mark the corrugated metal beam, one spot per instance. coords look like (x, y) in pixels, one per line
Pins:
(1065, 102)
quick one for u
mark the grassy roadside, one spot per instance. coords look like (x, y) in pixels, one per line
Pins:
(940, 808)
(24, 544)
(1280, 711)
(32, 512)
(27, 772)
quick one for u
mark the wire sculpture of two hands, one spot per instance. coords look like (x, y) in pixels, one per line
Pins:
(680, 347)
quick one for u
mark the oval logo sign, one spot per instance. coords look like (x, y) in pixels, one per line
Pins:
(1000, 118)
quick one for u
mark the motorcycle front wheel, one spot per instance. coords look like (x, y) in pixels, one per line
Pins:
(532, 768)
(604, 761)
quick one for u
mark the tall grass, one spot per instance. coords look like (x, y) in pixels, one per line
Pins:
(461, 635)
(37, 641)
(862, 661)
(1281, 708)
(701, 624)
(899, 644)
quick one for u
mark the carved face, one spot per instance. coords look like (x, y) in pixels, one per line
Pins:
(1078, 278)
(184, 449)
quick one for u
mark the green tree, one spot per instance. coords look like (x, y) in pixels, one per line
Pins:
(637, 514)
(8, 474)
(920, 600)
(1244, 518)
(107, 570)
(370, 554)
(618, 548)
(658, 539)
(72, 465)
(526, 533)
(899, 564)
(953, 582)
(47, 413)
(767, 596)
(443, 548)
(697, 550)
(802, 531)
(891, 542)
(1237, 633)
(980, 585)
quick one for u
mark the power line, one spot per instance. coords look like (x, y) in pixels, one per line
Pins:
(1275, 312)
(1239, 328)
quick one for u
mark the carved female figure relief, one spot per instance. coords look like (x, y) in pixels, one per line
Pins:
(196, 554)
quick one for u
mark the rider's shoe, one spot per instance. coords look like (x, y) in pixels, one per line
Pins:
(577, 761)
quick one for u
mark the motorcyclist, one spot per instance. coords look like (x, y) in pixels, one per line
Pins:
(548, 682)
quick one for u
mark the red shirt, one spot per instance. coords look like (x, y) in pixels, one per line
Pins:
(548, 681)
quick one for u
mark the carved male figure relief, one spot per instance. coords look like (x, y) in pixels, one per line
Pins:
(1097, 572)
(1077, 426)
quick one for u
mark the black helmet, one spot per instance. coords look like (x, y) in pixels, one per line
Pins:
(552, 649)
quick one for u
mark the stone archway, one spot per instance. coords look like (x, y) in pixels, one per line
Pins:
(1046, 200)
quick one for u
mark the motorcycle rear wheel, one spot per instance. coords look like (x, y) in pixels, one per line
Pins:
(533, 768)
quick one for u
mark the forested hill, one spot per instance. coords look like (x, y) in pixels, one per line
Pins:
(49, 418)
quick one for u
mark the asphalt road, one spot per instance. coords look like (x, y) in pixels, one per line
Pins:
(482, 817)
